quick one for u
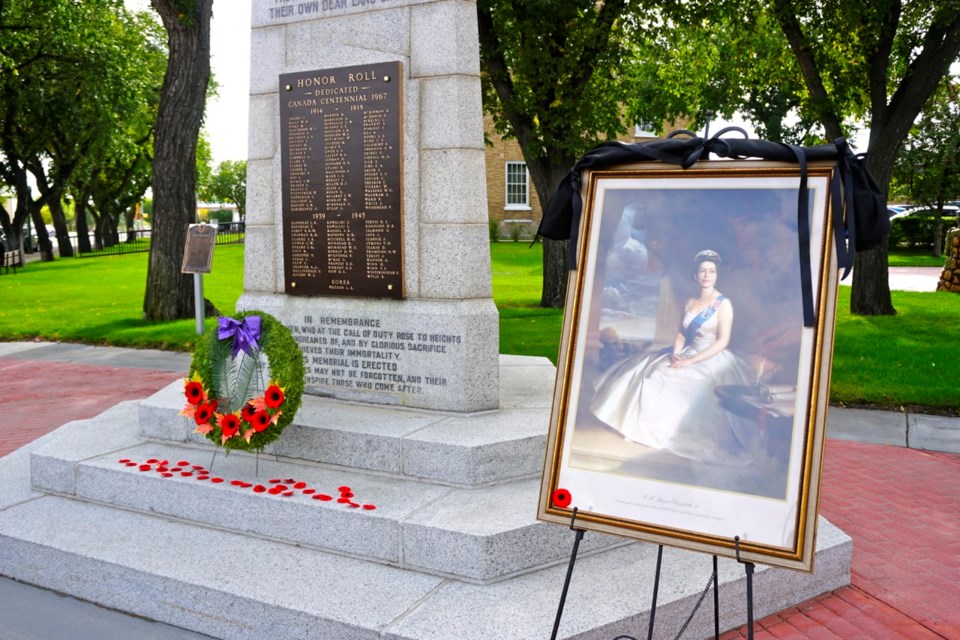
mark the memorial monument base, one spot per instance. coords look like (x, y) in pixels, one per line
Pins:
(419, 353)
(451, 549)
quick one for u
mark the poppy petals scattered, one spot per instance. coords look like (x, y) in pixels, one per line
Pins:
(285, 487)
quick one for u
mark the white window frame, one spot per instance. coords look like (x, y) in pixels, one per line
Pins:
(507, 183)
(644, 130)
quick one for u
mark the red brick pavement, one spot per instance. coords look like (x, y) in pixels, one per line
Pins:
(38, 396)
(901, 506)
(902, 509)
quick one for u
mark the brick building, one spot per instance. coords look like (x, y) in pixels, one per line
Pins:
(512, 201)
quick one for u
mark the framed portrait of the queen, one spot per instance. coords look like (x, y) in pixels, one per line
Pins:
(692, 389)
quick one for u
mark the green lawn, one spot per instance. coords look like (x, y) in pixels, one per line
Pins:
(887, 362)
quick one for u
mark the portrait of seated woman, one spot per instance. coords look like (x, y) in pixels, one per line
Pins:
(665, 400)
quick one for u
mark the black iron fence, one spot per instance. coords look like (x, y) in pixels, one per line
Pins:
(138, 240)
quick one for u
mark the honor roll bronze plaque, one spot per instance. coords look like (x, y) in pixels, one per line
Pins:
(342, 165)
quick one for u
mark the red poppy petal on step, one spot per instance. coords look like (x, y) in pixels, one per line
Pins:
(346, 494)
(144, 467)
(343, 500)
(289, 480)
(152, 461)
(216, 479)
(131, 464)
(246, 485)
(300, 485)
(124, 460)
(322, 496)
(369, 507)
(186, 474)
(344, 489)
(259, 488)
(236, 483)
(175, 468)
(164, 462)
(275, 491)
(287, 494)
(183, 463)
(202, 477)
(198, 467)
(309, 491)
(167, 475)
(275, 481)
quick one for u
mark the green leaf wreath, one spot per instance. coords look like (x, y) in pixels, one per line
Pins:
(228, 393)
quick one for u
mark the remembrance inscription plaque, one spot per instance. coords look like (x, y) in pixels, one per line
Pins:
(341, 160)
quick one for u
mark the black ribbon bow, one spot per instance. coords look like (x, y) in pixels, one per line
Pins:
(859, 207)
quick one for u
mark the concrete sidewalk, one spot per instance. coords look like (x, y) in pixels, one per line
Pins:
(901, 504)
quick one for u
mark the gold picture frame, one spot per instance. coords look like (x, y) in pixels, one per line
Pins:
(691, 399)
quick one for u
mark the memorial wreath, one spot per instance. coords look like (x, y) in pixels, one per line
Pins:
(246, 381)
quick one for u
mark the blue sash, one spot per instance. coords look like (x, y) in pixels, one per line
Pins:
(694, 327)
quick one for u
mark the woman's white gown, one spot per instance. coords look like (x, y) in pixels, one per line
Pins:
(676, 410)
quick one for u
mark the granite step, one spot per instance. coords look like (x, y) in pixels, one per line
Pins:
(466, 450)
(475, 534)
(235, 586)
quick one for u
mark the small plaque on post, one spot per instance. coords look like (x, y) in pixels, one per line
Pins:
(198, 252)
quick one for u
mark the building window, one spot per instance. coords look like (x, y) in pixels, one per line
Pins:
(518, 190)
(644, 129)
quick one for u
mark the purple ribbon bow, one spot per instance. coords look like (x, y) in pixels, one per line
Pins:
(245, 333)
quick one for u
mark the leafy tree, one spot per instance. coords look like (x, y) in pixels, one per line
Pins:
(169, 293)
(551, 76)
(929, 164)
(229, 184)
(204, 166)
(883, 60)
(71, 71)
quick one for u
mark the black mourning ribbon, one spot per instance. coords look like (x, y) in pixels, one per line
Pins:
(859, 207)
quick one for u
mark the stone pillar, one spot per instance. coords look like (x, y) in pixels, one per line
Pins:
(438, 347)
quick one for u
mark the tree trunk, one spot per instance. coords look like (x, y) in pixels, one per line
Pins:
(546, 175)
(169, 293)
(83, 228)
(872, 293)
(60, 225)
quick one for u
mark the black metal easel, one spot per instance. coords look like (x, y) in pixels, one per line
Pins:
(713, 581)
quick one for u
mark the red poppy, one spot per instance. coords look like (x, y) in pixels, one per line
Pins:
(275, 491)
(289, 480)
(260, 421)
(308, 492)
(299, 485)
(144, 467)
(229, 424)
(273, 396)
(186, 474)
(124, 460)
(344, 489)
(183, 463)
(175, 469)
(346, 494)
(194, 392)
(259, 488)
(562, 498)
(369, 507)
(216, 479)
(247, 412)
(131, 464)
(322, 496)
(237, 483)
(204, 413)
(167, 475)
(152, 461)
(203, 477)
(352, 505)
(343, 500)
(287, 494)
(198, 467)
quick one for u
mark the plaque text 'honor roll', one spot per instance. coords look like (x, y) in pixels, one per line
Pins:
(341, 158)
